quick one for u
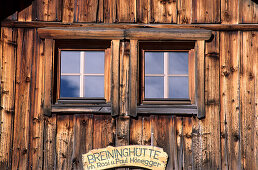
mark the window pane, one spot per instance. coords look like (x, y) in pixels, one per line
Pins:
(70, 61)
(178, 62)
(70, 86)
(178, 87)
(154, 62)
(93, 86)
(94, 62)
(154, 87)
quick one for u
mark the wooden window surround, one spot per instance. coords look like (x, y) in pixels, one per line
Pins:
(195, 37)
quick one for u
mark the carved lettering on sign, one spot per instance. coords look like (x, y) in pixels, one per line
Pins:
(150, 157)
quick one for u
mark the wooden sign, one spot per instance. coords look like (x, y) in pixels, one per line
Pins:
(149, 157)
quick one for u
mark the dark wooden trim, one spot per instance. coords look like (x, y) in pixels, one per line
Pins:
(75, 109)
(133, 77)
(167, 109)
(200, 78)
(214, 27)
(115, 85)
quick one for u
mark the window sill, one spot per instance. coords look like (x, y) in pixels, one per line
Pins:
(168, 109)
(81, 105)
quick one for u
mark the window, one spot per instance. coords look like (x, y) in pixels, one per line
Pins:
(82, 71)
(173, 84)
(167, 70)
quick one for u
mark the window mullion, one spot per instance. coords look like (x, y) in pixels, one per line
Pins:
(166, 67)
(82, 54)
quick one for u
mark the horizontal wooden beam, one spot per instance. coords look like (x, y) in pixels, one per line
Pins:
(116, 33)
(214, 27)
(167, 34)
(81, 33)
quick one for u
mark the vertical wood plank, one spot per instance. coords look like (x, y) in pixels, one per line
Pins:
(133, 77)
(86, 10)
(100, 11)
(36, 117)
(211, 123)
(206, 11)
(50, 142)
(229, 12)
(49, 55)
(122, 130)
(142, 11)
(64, 141)
(248, 11)
(115, 77)
(83, 130)
(197, 148)
(256, 98)
(187, 142)
(200, 49)
(110, 11)
(229, 99)
(126, 10)
(103, 134)
(161, 136)
(25, 14)
(68, 11)
(184, 14)
(7, 93)
(163, 11)
(22, 99)
(247, 99)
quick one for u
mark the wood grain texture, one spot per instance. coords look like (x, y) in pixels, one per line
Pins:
(48, 68)
(184, 14)
(200, 63)
(211, 123)
(80, 33)
(104, 131)
(133, 77)
(46, 10)
(115, 78)
(142, 11)
(126, 10)
(229, 99)
(36, 116)
(68, 11)
(50, 142)
(163, 11)
(110, 11)
(206, 11)
(7, 58)
(214, 27)
(21, 145)
(25, 14)
(229, 12)
(248, 11)
(247, 99)
(83, 133)
(64, 141)
(86, 10)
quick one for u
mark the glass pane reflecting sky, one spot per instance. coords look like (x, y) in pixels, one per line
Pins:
(94, 62)
(178, 87)
(70, 61)
(154, 87)
(178, 62)
(93, 86)
(154, 62)
(70, 86)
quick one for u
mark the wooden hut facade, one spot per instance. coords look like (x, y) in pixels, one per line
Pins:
(216, 129)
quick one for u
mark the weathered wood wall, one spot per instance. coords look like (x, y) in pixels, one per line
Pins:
(226, 139)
